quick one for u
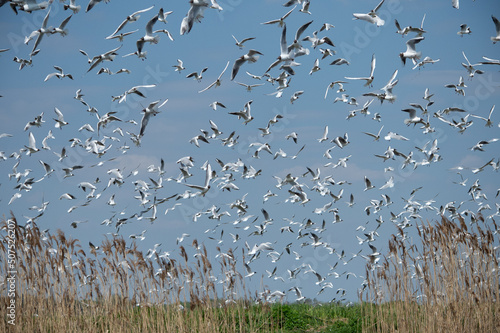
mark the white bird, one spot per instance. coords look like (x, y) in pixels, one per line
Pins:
(325, 135)
(414, 119)
(296, 95)
(387, 95)
(426, 60)
(39, 32)
(60, 119)
(131, 18)
(151, 110)
(203, 189)
(148, 37)
(249, 87)
(197, 76)
(60, 74)
(488, 121)
(179, 67)
(61, 28)
(368, 184)
(470, 68)
(388, 184)
(92, 3)
(496, 38)
(133, 90)
(464, 30)
(298, 293)
(122, 35)
(285, 56)
(370, 78)
(215, 104)
(217, 82)
(240, 43)
(195, 14)
(281, 20)
(251, 57)
(411, 52)
(31, 145)
(245, 114)
(316, 67)
(372, 16)
(377, 136)
(107, 56)
(72, 6)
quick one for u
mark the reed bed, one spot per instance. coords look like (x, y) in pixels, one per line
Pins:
(446, 281)
(113, 288)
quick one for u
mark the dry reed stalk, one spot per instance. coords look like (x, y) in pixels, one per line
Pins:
(449, 282)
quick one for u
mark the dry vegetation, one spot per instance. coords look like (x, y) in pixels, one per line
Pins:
(61, 288)
(448, 282)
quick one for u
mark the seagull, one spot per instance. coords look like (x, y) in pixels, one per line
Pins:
(121, 36)
(59, 75)
(38, 121)
(281, 20)
(315, 41)
(470, 68)
(341, 141)
(92, 3)
(372, 16)
(332, 84)
(325, 135)
(249, 87)
(252, 56)
(195, 14)
(40, 32)
(72, 6)
(285, 56)
(377, 136)
(245, 113)
(426, 60)
(296, 95)
(131, 18)
(370, 78)
(240, 43)
(315, 67)
(133, 90)
(387, 95)
(340, 61)
(368, 184)
(414, 119)
(179, 67)
(108, 56)
(60, 29)
(148, 37)
(31, 148)
(215, 104)
(197, 76)
(479, 146)
(388, 184)
(203, 189)
(60, 119)
(464, 30)
(298, 293)
(151, 110)
(496, 38)
(410, 52)
(489, 123)
(217, 82)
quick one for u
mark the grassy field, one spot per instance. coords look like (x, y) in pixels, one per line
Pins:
(446, 281)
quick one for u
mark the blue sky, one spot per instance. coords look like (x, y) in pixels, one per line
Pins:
(210, 44)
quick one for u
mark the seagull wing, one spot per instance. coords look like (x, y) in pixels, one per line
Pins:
(378, 6)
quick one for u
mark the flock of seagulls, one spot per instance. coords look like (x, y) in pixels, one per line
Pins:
(308, 184)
